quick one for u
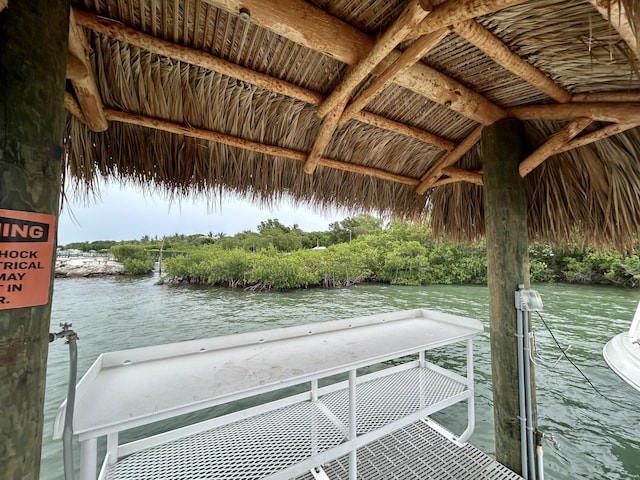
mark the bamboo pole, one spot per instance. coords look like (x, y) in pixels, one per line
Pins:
(85, 84)
(392, 36)
(432, 175)
(505, 206)
(553, 145)
(33, 59)
(495, 49)
(171, 127)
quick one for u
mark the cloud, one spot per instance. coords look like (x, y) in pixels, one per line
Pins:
(126, 213)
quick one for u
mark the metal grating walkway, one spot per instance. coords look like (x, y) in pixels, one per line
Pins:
(418, 452)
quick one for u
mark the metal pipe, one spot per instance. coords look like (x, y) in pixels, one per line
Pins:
(67, 433)
(353, 460)
(521, 393)
(528, 396)
(471, 412)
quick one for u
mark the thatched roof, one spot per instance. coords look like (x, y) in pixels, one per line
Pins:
(249, 97)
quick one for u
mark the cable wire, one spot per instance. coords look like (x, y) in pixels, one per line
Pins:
(564, 353)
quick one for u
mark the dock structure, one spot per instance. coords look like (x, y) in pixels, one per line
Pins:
(302, 398)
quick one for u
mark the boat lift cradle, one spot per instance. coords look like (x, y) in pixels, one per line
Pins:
(281, 439)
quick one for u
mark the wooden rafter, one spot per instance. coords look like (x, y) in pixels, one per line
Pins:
(313, 28)
(179, 129)
(406, 130)
(553, 145)
(476, 34)
(457, 174)
(409, 57)
(199, 58)
(3, 4)
(603, 112)
(614, 12)
(85, 85)
(72, 107)
(333, 106)
(632, 96)
(597, 135)
(432, 175)
(456, 11)
(392, 36)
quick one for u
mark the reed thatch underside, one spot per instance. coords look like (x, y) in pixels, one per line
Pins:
(272, 98)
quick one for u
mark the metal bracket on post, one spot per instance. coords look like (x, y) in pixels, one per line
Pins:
(319, 474)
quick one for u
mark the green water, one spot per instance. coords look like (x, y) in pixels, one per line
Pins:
(598, 439)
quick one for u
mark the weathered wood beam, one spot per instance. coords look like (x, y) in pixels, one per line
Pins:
(73, 108)
(85, 86)
(403, 129)
(597, 135)
(329, 126)
(3, 4)
(149, 43)
(457, 174)
(613, 11)
(392, 36)
(553, 145)
(456, 11)
(495, 49)
(433, 174)
(202, 134)
(409, 57)
(313, 28)
(632, 96)
(75, 68)
(602, 112)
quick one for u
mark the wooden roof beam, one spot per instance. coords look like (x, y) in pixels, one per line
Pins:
(85, 84)
(495, 49)
(3, 4)
(329, 126)
(409, 57)
(432, 175)
(553, 145)
(151, 44)
(602, 112)
(457, 174)
(313, 28)
(456, 11)
(392, 36)
(208, 135)
(72, 107)
(597, 135)
(632, 96)
(613, 11)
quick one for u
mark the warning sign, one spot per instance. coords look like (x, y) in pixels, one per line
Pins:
(26, 252)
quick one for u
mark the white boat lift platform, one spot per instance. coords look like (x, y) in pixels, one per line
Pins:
(367, 382)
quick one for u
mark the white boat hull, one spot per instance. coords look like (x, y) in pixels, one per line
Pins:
(622, 353)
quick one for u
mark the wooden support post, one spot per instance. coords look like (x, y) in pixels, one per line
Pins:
(33, 60)
(505, 206)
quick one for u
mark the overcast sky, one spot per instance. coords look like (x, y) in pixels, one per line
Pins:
(126, 213)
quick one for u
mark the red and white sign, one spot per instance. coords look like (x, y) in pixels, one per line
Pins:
(26, 254)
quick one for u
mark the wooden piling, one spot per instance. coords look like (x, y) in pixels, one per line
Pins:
(33, 59)
(505, 204)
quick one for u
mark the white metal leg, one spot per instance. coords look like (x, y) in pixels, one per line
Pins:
(88, 459)
(471, 413)
(353, 460)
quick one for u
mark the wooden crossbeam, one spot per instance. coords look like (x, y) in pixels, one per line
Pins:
(597, 135)
(409, 57)
(432, 175)
(392, 36)
(456, 11)
(613, 11)
(553, 145)
(72, 107)
(3, 4)
(199, 58)
(476, 34)
(602, 112)
(209, 135)
(406, 130)
(632, 96)
(85, 85)
(329, 126)
(313, 28)
(457, 174)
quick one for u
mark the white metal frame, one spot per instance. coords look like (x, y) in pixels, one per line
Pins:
(456, 388)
